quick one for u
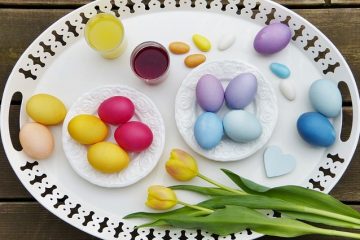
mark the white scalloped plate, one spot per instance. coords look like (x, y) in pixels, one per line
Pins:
(59, 62)
(141, 163)
(264, 107)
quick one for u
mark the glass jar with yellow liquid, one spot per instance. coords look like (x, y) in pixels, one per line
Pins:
(105, 34)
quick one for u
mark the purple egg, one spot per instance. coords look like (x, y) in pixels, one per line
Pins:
(241, 91)
(272, 39)
(209, 93)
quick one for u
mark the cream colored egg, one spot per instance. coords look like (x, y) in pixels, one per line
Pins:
(107, 157)
(36, 140)
(46, 109)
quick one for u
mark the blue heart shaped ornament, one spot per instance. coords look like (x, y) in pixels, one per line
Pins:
(277, 163)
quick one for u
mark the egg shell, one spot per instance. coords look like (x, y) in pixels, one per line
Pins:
(208, 130)
(46, 109)
(316, 129)
(280, 70)
(116, 110)
(87, 129)
(226, 41)
(326, 98)
(272, 38)
(209, 93)
(242, 126)
(107, 157)
(36, 140)
(133, 136)
(241, 91)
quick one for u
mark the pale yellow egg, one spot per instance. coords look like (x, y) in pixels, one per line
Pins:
(46, 109)
(107, 157)
(87, 129)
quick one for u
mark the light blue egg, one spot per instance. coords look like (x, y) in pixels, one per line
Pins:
(208, 130)
(280, 70)
(325, 98)
(242, 126)
(316, 129)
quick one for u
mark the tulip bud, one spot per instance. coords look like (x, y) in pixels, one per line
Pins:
(181, 165)
(161, 198)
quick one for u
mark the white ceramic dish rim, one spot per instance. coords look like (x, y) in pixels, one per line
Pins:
(345, 151)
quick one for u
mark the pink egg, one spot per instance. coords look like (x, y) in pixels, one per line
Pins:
(116, 110)
(134, 136)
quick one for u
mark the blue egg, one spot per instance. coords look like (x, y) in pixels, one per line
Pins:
(316, 129)
(280, 70)
(208, 130)
(326, 98)
(242, 126)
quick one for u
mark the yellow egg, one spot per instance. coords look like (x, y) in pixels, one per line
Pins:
(46, 109)
(36, 140)
(87, 129)
(107, 157)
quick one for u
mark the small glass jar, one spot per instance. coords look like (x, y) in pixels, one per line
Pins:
(150, 62)
(105, 34)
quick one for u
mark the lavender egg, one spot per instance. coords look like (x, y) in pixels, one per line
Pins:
(209, 93)
(241, 91)
(272, 39)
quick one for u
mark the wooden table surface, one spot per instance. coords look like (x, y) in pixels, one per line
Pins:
(21, 21)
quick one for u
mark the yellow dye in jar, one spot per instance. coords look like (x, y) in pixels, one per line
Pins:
(105, 33)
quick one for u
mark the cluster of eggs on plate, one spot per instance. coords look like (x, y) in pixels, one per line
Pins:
(239, 125)
(35, 137)
(130, 136)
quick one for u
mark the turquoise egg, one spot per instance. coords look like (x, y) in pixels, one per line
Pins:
(325, 98)
(208, 130)
(280, 70)
(242, 126)
(316, 129)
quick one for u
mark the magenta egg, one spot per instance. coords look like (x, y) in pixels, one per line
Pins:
(116, 110)
(133, 136)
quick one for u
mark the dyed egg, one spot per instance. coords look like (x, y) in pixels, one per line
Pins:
(46, 109)
(116, 110)
(201, 42)
(241, 91)
(87, 129)
(107, 157)
(134, 136)
(242, 126)
(208, 130)
(209, 93)
(36, 140)
(316, 129)
(326, 98)
(280, 70)
(272, 38)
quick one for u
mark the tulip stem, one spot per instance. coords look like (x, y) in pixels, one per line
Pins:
(238, 192)
(205, 210)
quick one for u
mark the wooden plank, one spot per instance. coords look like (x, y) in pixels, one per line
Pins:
(345, 2)
(43, 2)
(17, 222)
(345, 33)
(302, 2)
(32, 221)
(345, 190)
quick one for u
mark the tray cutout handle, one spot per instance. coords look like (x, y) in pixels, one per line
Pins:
(14, 120)
(347, 112)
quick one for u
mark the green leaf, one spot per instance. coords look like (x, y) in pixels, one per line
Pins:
(233, 219)
(158, 215)
(296, 195)
(203, 190)
(308, 217)
(245, 184)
